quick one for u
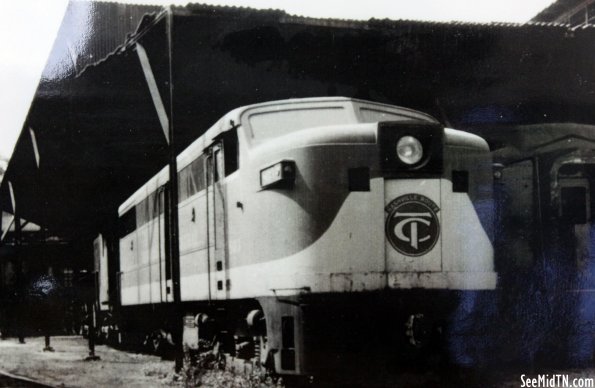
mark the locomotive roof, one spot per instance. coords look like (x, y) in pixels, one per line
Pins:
(235, 116)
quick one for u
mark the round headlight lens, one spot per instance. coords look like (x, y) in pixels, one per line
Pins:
(409, 150)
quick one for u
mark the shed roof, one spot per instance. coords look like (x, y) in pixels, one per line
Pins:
(556, 9)
(99, 137)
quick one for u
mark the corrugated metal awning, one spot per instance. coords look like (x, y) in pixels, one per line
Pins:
(99, 137)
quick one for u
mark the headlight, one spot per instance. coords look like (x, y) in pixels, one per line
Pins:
(409, 150)
(281, 174)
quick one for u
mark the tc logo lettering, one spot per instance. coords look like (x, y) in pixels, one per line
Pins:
(412, 226)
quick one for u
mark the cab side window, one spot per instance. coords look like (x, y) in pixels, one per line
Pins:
(231, 151)
(224, 156)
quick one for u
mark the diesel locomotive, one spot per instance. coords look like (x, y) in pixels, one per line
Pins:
(309, 230)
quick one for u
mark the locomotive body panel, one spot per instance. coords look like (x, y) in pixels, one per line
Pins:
(336, 261)
(238, 240)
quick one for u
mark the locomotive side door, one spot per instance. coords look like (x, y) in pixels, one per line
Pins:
(218, 270)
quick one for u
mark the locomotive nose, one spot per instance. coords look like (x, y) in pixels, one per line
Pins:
(411, 158)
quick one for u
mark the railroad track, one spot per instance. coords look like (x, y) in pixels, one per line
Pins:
(10, 380)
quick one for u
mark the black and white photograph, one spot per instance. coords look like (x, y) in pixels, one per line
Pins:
(261, 193)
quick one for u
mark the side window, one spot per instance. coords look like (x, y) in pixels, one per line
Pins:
(231, 151)
(185, 184)
(127, 222)
(155, 205)
(158, 203)
(142, 213)
(191, 179)
(145, 211)
(151, 208)
(198, 173)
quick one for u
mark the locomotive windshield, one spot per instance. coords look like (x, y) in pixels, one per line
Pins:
(269, 124)
(369, 115)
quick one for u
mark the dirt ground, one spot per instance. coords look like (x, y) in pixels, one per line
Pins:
(66, 366)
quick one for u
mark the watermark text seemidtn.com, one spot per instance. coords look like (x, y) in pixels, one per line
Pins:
(557, 381)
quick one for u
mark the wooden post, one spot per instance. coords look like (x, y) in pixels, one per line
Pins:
(93, 323)
(20, 288)
(173, 207)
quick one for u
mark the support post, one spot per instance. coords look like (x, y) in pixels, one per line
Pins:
(93, 324)
(48, 308)
(167, 125)
(20, 287)
(173, 207)
(48, 298)
(48, 347)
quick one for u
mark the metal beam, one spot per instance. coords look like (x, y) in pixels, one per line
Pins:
(154, 90)
(12, 200)
(35, 149)
(5, 233)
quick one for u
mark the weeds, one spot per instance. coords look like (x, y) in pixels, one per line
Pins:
(209, 369)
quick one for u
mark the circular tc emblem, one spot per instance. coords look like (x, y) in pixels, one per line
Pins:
(412, 226)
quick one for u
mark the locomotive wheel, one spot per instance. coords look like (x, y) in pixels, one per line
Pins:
(113, 336)
(418, 331)
(99, 336)
(156, 342)
(424, 342)
(257, 323)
